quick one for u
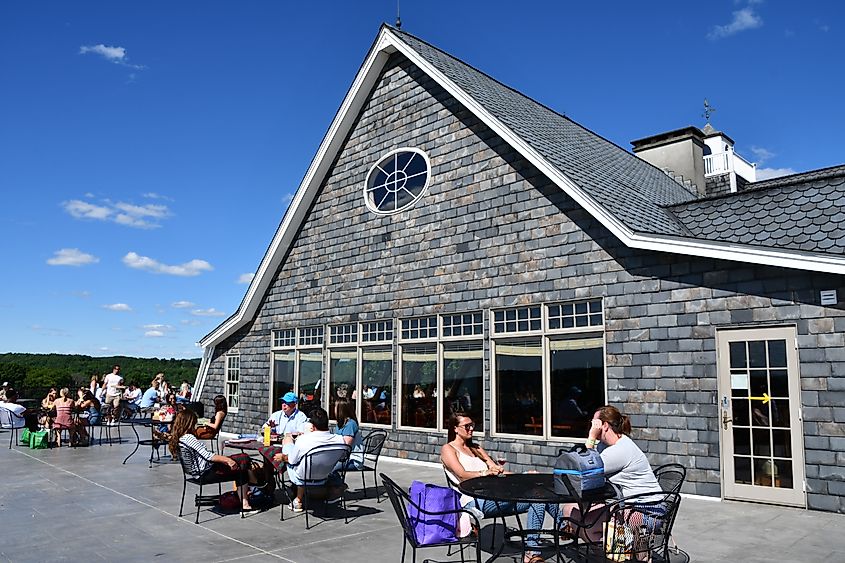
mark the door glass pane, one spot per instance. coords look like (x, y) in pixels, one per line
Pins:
(283, 366)
(757, 354)
(777, 353)
(759, 382)
(779, 382)
(419, 386)
(782, 443)
(780, 413)
(762, 444)
(463, 373)
(519, 387)
(310, 379)
(767, 473)
(740, 412)
(739, 383)
(742, 441)
(377, 375)
(783, 473)
(760, 414)
(742, 470)
(738, 357)
(343, 372)
(577, 371)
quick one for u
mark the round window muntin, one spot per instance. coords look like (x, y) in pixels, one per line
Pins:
(380, 167)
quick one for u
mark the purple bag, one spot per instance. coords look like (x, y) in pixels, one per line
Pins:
(431, 529)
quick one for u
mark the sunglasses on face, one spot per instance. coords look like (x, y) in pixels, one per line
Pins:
(468, 426)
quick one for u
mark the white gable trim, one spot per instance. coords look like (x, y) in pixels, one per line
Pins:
(388, 43)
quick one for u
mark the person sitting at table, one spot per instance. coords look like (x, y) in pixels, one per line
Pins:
(131, 400)
(165, 415)
(463, 459)
(347, 426)
(184, 391)
(210, 430)
(625, 465)
(289, 419)
(89, 404)
(48, 409)
(236, 466)
(24, 417)
(150, 397)
(293, 453)
(64, 418)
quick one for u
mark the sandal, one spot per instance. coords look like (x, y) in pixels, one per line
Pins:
(535, 558)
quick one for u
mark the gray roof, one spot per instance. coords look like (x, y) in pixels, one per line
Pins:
(629, 188)
(800, 212)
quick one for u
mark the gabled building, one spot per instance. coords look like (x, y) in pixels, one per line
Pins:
(456, 245)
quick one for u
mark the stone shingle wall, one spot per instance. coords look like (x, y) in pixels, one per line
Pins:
(493, 232)
(718, 185)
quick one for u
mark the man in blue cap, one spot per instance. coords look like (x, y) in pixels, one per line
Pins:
(288, 420)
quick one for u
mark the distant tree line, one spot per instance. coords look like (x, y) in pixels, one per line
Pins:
(34, 373)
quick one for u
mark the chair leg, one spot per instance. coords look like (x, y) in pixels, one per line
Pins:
(404, 545)
(305, 506)
(197, 502)
(182, 504)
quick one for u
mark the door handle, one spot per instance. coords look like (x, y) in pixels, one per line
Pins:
(726, 419)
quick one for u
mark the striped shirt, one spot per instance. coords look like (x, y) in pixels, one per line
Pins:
(203, 455)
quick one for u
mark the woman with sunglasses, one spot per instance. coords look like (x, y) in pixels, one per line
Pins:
(464, 459)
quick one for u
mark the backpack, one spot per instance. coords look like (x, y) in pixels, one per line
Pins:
(579, 470)
(430, 529)
(229, 501)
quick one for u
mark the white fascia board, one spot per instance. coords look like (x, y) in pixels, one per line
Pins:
(304, 196)
(782, 258)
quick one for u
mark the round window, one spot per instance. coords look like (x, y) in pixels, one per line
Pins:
(397, 181)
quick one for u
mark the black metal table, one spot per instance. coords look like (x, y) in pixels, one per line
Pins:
(153, 442)
(531, 488)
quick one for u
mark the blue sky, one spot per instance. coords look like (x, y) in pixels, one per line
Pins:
(148, 150)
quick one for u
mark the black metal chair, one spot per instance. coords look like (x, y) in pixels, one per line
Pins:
(106, 426)
(401, 501)
(639, 527)
(8, 421)
(671, 477)
(373, 444)
(191, 463)
(316, 467)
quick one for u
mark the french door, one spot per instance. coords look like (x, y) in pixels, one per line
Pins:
(760, 426)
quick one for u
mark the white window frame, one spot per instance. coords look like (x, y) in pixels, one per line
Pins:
(545, 335)
(440, 342)
(228, 381)
(423, 191)
(299, 335)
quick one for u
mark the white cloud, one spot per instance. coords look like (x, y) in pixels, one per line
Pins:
(118, 307)
(158, 327)
(139, 216)
(761, 154)
(192, 268)
(103, 348)
(246, 278)
(154, 334)
(89, 195)
(154, 195)
(767, 173)
(116, 55)
(71, 257)
(182, 304)
(84, 294)
(743, 20)
(212, 312)
(191, 322)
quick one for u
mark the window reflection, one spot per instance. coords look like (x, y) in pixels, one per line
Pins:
(519, 387)
(343, 375)
(377, 389)
(419, 386)
(463, 369)
(577, 377)
(283, 369)
(310, 379)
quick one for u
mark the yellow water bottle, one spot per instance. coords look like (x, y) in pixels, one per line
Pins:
(266, 435)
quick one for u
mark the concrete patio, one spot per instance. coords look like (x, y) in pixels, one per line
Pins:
(82, 504)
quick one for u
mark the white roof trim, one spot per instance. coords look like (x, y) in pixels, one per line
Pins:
(386, 44)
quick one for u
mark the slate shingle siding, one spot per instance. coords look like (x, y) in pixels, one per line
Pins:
(493, 232)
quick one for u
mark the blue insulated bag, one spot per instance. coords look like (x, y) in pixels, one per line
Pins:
(582, 469)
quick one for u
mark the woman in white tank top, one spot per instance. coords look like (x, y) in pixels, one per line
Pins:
(463, 459)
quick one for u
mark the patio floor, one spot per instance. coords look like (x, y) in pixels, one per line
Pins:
(82, 504)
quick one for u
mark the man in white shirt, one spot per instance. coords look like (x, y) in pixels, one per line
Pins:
(132, 398)
(18, 416)
(113, 384)
(288, 420)
(294, 452)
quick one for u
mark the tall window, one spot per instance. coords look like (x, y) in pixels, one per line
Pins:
(361, 369)
(233, 381)
(442, 363)
(548, 372)
(298, 366)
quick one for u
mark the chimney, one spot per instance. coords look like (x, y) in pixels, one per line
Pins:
(679, 153)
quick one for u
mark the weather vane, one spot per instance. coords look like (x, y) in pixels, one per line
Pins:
(398, 19)
(708, 110)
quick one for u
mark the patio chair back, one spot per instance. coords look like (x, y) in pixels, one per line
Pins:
(8, 421)
(401, 501)
(321, 461)
(671, 477)
(190, 460)
(372, 446)
(639, 527)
